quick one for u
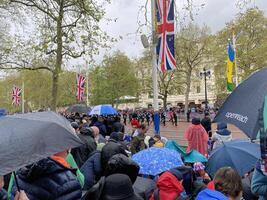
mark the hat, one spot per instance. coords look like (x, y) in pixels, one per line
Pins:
(114, 136)
(74, 125)
(87, 131)
(198, 166)
(119, 187)
(196, 121)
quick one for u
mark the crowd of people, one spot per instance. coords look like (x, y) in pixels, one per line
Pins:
(102, 168)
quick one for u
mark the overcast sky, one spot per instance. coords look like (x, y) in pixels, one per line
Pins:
(215, 13)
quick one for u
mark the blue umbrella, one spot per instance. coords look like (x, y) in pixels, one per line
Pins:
(238, 154)
(154, 161)
(103, 110)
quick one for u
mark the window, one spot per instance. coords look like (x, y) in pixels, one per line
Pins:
(198, 89)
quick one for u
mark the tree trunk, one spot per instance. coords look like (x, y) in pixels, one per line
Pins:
(165, 97)
(57, 70)
(188, 85)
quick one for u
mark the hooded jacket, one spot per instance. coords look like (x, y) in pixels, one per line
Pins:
(112, 148)
(92, 169)
(81, 154)
(211, 195)
(197, 138)
(221, 135)
(169, 187)
(48, 180)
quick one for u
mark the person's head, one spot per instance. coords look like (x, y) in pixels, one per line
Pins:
(228, 182)
(75, 125)
(157, 137)
(87, 131)
(143, 129)
(100, 119)
(118, 186)
(114, 136)
(196, 121)
(207, 114)
(95, 130)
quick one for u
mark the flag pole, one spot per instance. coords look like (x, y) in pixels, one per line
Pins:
(154, 68)
(234, 46)
(22, 103)
(87, 89)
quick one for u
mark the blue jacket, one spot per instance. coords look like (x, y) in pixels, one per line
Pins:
(208, 194)
(259, 184)
(48, 180)
(92, 169)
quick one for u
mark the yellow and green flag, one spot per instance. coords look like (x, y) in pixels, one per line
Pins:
(230, 67)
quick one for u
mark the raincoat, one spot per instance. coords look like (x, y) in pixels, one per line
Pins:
(197, 139)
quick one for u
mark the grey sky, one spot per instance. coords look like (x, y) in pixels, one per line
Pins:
(215, 14)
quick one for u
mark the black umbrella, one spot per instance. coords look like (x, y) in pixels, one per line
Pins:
(80, 108)
(242, 106)
(27, 138)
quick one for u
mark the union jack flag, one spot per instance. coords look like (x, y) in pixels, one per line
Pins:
(80, 86)
(165, 30)
(16, 93)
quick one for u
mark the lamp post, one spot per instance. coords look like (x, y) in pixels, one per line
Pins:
(205, 73)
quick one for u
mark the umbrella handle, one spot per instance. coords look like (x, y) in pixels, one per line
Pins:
(16, 181)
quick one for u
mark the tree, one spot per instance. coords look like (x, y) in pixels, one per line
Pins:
(191, 52)
(113, 79)
(250, 30)
(63, 29)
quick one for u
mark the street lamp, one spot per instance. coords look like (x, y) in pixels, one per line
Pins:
(205, 73)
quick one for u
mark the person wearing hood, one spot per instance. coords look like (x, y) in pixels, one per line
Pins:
(221, 135)
(113, 187)
(100, 124)
(169, 186)
(227, 184)
(112, 148)
(49, 178)
(81, 154)
(197, 137)
(259, 180)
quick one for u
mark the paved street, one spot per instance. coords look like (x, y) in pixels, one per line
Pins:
(177, 133)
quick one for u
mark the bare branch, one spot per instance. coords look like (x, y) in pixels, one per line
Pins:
(18, 66)
(34, 5)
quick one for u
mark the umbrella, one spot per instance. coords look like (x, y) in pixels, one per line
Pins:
(144, 187)
(191, 157)
(154, 161)
(241, 155)
(27, 138)
(80, 108)
(241, 108)
(103, 110)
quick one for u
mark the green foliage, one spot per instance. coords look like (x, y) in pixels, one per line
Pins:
(113, 79)
(38, 86)
(250, 29)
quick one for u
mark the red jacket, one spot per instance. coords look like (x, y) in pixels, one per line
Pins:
(169, 187)
(135, 123)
